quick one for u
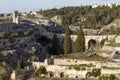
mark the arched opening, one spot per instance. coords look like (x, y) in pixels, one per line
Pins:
(102, 43)
(92, 44)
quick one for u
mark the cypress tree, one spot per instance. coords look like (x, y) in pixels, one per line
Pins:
(80, 42)
(19, 64)
(67, 41)
(55, 45)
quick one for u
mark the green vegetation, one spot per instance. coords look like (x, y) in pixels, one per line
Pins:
(67, 41)
(112, 43)
(110, 68)
(1, 15)
(28, 32)
(4, 72)
(118, 31)
(114, 30)
(80, 42)
(40, 71)
(19, 63)
(106, 77)
(81, 67)
(90, 17)
(56, 46)
(83, 56)
(52, 78)
(32, 16)
(94, 73)
(5, 21)
(15, 34)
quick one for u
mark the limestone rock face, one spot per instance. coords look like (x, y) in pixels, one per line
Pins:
(57, 19)
(117, 40)
(13, 75)
(2, 69)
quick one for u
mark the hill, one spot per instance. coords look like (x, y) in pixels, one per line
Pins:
(112, 28)
(91, 18)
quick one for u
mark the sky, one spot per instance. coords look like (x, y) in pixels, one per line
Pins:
(7, 6)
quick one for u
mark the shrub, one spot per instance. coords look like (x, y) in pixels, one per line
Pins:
(82, 68)
(106, 77)
(41, 70)
(94, 73)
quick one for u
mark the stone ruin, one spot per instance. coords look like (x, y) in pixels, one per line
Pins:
(15, 17)
(49, 61)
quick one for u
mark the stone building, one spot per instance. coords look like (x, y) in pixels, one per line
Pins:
(15, 17)
(49, 61)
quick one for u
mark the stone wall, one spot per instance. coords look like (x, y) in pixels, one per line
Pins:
(72, 62)
(110, 71)
(97, 38)
(109, 48)
(60, 65)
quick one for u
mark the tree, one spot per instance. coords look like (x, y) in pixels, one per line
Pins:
(9, 14)
(103, 77)
(41, 70)
(92, 16)
(5, 72)
(88, 74)
(112, 30)
(55, 45)
(1, 15)
(111, 77)
(20, 63)
(118, 31)
(107, 77)
(94, 73)
(80, 42)
(67, 41)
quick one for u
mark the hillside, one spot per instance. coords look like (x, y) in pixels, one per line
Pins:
(4, 74)
(112, 28)
(91, 18)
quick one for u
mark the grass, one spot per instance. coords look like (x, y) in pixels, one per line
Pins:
(3, 69)
(112, 43)
(55, 79)
(111, 68)
(83, 56)
(5, 21)
(61, 79)
(80, 67)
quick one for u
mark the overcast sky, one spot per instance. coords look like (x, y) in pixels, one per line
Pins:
(33, 5)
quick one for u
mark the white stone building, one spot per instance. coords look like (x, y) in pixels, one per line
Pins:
(15, 17)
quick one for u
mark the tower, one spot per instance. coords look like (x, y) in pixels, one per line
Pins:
(15, 17)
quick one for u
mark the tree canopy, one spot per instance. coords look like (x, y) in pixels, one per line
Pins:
(67, 41)
(80, 42)
(56, 47)
(92, 17)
